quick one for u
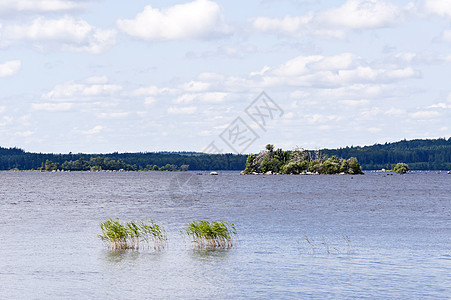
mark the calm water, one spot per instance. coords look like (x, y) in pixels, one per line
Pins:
(399, 226)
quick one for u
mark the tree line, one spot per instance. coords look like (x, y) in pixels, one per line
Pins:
(105, 164)
(421, 154)
(15, 158)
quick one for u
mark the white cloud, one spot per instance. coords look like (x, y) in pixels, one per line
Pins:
(355, 91)
(402, 73)
(363, 14)
(297, 66)
(395, 111)
(354, 102)
(83, 90)
(152, 91)
(149, 100)
(114, 115)
(446, 35)
(369, 114)
(194, 20)
(261, 72)
(187, 110)
(319, 118)
(10, 68)
(406, 56)
(306, 64)
(288, 25)
(185, 98)
(6, 120)
(24, 133)
(37, 6)
(196, 86)
(236, 51)
(341, 61)
(438, 7)
(207, 76)
(67, 34)
(374, 129)
(96, 130)
(211, 97)
(440, 105)
(52, 107)
(352, 15)
(334, 70)
(97, 80)
(424, 114)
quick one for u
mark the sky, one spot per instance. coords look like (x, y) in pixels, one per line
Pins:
(222, 76)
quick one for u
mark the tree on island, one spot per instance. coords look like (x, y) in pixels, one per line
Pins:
(298, 161)
(401, 168)
(49, 166)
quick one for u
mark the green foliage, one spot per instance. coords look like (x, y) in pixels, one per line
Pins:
(354, 166)
(169, 167)
(271, 165)
(250, 164)
(421, 154)
(270, 148)
(297, 162)
(290, 168)
(401, 168)
(49, 166)
(330, 166)
(121, 236)
(426, 154)
(211, 234)
(11, 158)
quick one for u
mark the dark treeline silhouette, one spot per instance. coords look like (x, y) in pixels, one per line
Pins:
(425, 154)
(14, 158)
(420, 154)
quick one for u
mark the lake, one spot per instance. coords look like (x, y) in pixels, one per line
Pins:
(399, 230)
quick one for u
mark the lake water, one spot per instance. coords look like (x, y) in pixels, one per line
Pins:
(399, 228)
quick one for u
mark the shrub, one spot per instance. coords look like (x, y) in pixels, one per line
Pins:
(401, 168)
(129, 236)
(211, 234)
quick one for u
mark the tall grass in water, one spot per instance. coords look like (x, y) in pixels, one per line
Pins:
(328, 248)
(348, 242)
(132, 235)
(310, 242)
(211, 235)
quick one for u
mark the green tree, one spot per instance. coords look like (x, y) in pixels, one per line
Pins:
(250, 164)
(290, 168)
(354, 166)
(330, 166)
(401, 168)
(270, 148)
(344, 167)
(271, 165)
(49, 166)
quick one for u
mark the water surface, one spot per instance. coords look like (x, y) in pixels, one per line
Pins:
(399, 227)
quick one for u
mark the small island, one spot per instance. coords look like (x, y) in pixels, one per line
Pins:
(298, 161)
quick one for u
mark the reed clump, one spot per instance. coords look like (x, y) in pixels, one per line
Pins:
(329, 248)
(211, 235)
(132, 235)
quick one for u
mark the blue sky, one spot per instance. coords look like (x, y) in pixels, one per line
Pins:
(103, 76)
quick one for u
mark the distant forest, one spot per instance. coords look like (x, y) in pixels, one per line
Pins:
(424, 154)
(420, 154)
(14, 158)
